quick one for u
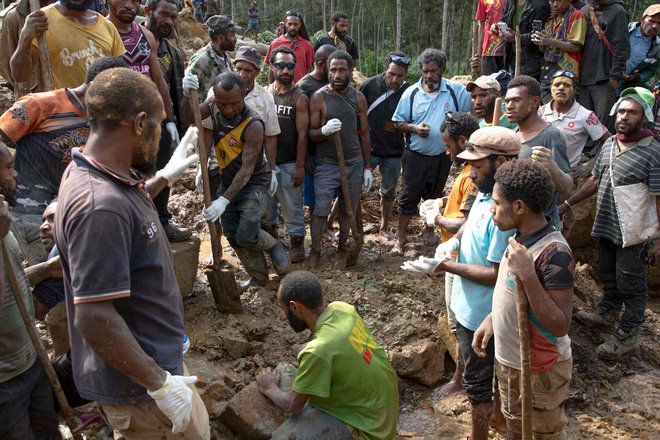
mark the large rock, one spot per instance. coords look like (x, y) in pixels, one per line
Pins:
(185, 257)
(580, 233)
(423, 361)
(252, 415)
(447, 337)
(58, 328)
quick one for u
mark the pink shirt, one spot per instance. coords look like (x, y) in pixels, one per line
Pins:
(304, 54)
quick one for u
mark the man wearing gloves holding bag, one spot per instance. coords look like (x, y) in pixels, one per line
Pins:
(338, 108)
(123, 304)
(480, 247)
(629, 161)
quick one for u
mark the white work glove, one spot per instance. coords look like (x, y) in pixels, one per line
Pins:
(174, 399)
(217, 208)
(174, 133)
(446, 249)
(273, 181)
(330, 127)
(422, 265)
(180, 159)
(198, 180)
(190, 82)
(368, 180)
(431, 210)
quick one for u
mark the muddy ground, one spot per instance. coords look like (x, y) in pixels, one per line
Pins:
(610, 400)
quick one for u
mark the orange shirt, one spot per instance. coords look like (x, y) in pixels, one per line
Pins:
(460, 199)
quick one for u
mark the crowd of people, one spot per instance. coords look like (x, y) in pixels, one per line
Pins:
(84, 216)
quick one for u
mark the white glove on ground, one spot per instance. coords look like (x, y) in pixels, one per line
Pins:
(174, 399)
(190, 82)
(174, 133)
(422, 265)
(273, 181)
(368, 180)
(217, 208)
(330, 127)
(180, 159)
(444, 250)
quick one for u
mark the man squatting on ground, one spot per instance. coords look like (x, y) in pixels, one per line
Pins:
(539, 256)
(345, 387)
(126, 324)
(480, 246)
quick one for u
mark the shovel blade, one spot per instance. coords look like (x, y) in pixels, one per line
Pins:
(224, 290)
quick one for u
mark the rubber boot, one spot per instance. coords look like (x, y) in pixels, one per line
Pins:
(297, 249)
(344, 230)
(317, 229)
(274, 247)
(255, 265)
(596, 319)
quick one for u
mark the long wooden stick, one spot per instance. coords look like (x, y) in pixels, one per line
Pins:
(497, 113)
(518, 51)
(475, 47)
(36, 341)
(525, 360)
(44, 57)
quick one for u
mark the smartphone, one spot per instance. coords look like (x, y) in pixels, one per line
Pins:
(503, 28)
(537, 26)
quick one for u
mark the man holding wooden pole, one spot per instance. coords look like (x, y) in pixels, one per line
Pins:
(540, 258)
(27, 409)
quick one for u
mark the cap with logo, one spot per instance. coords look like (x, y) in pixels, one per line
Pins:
(483, 82)
(491, 141)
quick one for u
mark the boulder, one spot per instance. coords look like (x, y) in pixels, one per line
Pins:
(580, 233)
(185, 257)
(252, 415)
(423, 361)
(58, 327)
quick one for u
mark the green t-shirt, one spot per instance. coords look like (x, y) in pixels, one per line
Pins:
(346, 374)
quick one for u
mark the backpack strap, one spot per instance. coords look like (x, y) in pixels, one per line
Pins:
(598, 29)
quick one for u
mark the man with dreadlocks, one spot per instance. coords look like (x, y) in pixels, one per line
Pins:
(297, 39)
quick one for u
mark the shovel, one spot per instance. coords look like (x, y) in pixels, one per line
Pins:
(36, 342)
(44, 57)
(353, 253)
(221, 281)
(525, 361)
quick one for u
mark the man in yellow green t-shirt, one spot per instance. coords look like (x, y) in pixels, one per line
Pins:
(345, 387)
(76, 36)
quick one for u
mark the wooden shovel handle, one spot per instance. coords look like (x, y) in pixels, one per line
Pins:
(44, 57)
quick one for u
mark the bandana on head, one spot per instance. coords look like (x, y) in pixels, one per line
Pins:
(639, 94)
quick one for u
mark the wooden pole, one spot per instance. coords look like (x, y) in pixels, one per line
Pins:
(475, 47)
(525, 360)
(44, 57)
(221, 281)
(36, 341)
(497, 113)
(518, 51)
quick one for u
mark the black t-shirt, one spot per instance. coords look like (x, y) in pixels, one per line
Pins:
(383, 143)
(287, 141)
(113, 248)
(347, 41)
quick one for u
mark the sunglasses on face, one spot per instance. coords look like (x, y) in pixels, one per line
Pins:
(399, 59)
(281, 66)
(470, 146)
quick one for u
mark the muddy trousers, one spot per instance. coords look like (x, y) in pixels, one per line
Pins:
(311, 423)
(623, 274)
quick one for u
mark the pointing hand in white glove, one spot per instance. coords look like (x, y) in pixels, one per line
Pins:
(190, 82)
(174, 399)
(330, 127)
(446, 249)
(172, 130)
(368, 180)
(217, 208)
(180, 159)
(273, 181)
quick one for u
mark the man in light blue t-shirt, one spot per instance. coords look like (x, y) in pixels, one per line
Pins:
(420, 112)
(481, 246)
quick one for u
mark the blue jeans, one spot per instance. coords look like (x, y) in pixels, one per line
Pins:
(241, 220)
(390, 170)
(290, 198)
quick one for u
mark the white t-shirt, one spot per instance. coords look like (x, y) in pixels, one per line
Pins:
(575, 127)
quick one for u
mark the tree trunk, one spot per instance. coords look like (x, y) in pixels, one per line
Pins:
(445, 20)
(324, 17)
(233, 11)
(397, 39)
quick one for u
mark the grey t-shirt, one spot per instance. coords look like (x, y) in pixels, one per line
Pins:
(113, 248)
(551, 139)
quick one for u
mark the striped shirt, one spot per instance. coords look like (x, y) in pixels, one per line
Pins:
(637, 163)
